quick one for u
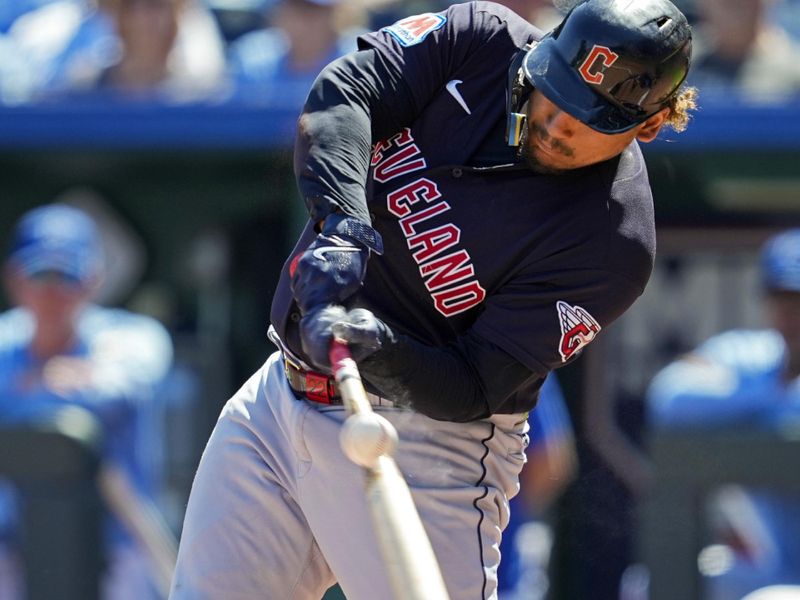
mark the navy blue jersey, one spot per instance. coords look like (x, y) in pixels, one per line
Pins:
(477, 245)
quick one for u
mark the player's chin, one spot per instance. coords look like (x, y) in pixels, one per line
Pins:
(542, 162)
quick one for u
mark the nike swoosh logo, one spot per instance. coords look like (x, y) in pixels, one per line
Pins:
(452, 88)
(319, 253)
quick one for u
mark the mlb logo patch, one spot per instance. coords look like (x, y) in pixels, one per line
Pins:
(414, 29)
(578, 328)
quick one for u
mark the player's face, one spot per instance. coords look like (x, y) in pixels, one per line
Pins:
(556, 141)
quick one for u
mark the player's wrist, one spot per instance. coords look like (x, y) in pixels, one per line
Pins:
(351, 228)
(329, 271)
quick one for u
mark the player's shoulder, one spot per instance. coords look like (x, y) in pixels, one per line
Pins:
(631, 242)
(115, 336)
(495, 17)
(631, 167)
(498, 12)
(744, 349)
(102, 316)
(123, 326)
(16, 328)
(464, 23)
(631, 186)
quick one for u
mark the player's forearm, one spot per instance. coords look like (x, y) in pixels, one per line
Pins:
(346, 111)
(463, 381)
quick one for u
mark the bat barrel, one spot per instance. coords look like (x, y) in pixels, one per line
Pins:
(406, 550)
(411, 563)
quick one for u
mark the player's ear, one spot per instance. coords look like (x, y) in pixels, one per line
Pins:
(650, 128)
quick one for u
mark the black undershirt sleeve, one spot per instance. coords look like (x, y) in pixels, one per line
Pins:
(356, 100)
(467, 379)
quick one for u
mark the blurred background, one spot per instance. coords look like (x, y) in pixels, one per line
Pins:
(170, 124)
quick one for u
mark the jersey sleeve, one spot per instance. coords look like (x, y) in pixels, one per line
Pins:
(545, 320)
(527, 329)
(372, 94)
(426, 50)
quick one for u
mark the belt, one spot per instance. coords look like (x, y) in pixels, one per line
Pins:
(322, 388)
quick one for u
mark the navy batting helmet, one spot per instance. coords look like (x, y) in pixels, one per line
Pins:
(611, 64)
(780, 262)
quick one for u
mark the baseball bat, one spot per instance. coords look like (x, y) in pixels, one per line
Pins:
(144, 521)
(411, 564)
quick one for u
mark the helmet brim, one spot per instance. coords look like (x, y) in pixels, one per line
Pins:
(549, 73)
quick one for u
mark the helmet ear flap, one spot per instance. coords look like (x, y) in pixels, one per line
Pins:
(518, 91)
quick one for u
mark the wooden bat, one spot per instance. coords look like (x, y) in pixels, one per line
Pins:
(413, 570)
(144, 521)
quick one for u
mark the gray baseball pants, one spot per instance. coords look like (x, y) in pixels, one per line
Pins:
(277, 511)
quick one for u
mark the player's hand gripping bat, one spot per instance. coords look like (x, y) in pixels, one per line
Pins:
(368, 439)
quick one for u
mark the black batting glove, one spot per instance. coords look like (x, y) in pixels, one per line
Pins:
(363, 332)
(316, 333)
(333, 267)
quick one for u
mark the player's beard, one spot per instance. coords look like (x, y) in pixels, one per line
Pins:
(528, 153)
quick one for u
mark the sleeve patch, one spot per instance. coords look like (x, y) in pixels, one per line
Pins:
(412, 30)
(578, 328)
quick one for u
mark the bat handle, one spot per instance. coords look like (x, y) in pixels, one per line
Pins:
(348, 378)
(339, 354)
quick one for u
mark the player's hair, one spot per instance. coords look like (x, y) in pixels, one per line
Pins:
(680, 107)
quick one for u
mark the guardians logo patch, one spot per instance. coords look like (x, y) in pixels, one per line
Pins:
(578, 328)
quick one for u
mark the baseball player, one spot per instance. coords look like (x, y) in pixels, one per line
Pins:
(490, 176)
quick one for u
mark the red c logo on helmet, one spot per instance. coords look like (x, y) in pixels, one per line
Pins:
(608, 58)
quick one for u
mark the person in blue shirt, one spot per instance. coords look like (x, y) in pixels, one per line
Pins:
(278, 64)
(156, 50)
(59, 349)
(748, 378)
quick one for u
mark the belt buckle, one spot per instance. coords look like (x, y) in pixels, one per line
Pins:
(317, 388)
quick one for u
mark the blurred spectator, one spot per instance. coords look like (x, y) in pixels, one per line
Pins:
(168, 49)
(57, 348)
(746, 378)
(738, 47)
(11, 10)
(544, 14)
(551, 466)
(150, 58)
(277, 64)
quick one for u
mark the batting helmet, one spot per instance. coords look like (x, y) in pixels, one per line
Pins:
(780, 262)
(611, 64)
